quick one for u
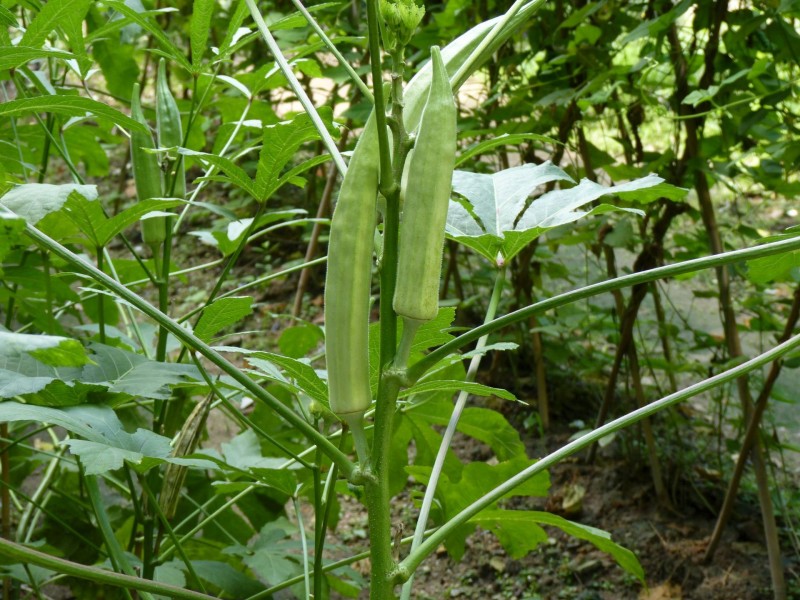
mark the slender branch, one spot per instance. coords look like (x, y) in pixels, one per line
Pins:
(413, 560)
(283, 64)
(419, 368)
(337, 456)
(23, 554)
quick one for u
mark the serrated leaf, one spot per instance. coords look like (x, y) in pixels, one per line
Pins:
(34, 201)
(482, 424)
(48, 18)
(202, 11)
(299, 375)
(280, 144)
(508, 521)
(12, 57)
(50, 350)
(220, 314)
(169, 49)
(772, 268)
(656, 192)
(235, 173)
(476, 389)
(72, 106)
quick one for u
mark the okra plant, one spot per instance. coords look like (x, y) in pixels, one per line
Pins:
(111, 391)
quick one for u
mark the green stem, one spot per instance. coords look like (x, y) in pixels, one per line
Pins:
(387, 184)
(101, 305)
(23, 554)
(115, 552)
(438, 465)
(303, 428)
(377, 494)
(297, 88)
(698, 264)
(415, 558)
(343, 62)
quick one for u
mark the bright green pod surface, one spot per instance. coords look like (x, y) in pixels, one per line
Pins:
(147, 173)
(349, 280)
(427, 196)
(169, 131)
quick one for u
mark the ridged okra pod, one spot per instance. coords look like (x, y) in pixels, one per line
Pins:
(427, 195)
(147, 174)
(348, 281)
(170, 132)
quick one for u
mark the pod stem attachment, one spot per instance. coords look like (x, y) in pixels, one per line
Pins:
(355, 421)
(410, 327)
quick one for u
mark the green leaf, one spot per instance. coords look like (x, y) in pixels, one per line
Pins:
(299, 340)
(72, 106)
(482, 424)
(772, 268)
(275, 555)
(111, 227)
(7, 18)
(12, 57)
(171, 51)
(476, 389)
(48, 18)
(506, 139)
(107, 444)
(656, 192)
(223, 576)
(281, 142)
(202, 11)
(499, 219)
(11, 234)
(504, 523)
(220, 314)
(50, 350)
(299, 375)
(237, 175)
(34, 201)
(244, 452)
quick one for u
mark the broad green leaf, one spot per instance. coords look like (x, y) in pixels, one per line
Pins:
(656, 192)
(220, 314)
(772, 268)
(505, 522)
(475, 389)
(130, 373)
(107, 444)
(72, 106)
(11, 234)
(50, 350)
(226, 578)
(298, 340)
(477, 479)
(499, 217)
(202, 11)
(244, 452)
(274, 556)
(482, 424)
(34, 201)
(12, 57)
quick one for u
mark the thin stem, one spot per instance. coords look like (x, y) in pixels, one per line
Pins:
(23, 554)
(189, 339)
(419, 368)
(304, 545)
(413, 560)
(438, 465)
(362, 87)
(387, 184)
(297, 88)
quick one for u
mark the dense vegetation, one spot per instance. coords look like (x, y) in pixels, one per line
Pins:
(621, 216)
